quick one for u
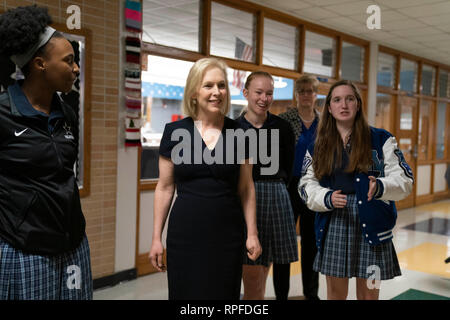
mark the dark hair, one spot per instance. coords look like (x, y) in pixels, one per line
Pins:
(20, 29)
(328, 144)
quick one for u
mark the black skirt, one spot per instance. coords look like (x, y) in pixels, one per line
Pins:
(205, 245)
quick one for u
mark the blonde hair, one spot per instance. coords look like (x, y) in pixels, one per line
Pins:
(307, 79)
(194, 81)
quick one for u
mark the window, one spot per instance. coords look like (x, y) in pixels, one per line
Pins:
(232, 33)
(280, 44)
(174, 24)
(162, 94)
(283, 94)
(320, 54)
(352, 67)
(440, 130)
(236, 80)
(428, 80)
(424, 130)
(408, 75)
(407, 106)
(444, 84)
(386, 70)
(383, 111)
(320, 102)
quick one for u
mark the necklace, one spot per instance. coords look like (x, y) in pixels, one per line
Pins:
(347, 138)
(307, 121)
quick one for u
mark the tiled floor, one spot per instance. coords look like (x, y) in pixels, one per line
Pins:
(421, 239)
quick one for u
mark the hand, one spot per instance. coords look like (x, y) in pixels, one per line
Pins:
(253, 247)
(156, 256)
(338, 200)
(372, 187)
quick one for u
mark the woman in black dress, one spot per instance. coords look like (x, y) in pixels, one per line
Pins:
(215, 202)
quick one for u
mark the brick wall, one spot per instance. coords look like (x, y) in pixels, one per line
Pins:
(102, 18)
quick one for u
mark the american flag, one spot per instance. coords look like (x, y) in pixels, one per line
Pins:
(242, 52)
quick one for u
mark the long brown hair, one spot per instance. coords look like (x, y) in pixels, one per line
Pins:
(328, 146)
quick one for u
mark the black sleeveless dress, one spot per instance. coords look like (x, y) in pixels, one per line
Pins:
(206, 230)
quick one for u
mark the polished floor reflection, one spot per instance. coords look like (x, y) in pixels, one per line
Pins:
(422, 242)
(433, 225)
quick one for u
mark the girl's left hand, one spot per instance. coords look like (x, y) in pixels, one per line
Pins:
(253, 247)
(372, 187)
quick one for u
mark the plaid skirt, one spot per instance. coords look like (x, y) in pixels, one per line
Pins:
(345, 253)
(32, 277)
(276, 225)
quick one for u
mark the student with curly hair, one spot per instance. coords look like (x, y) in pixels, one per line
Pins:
(44, 252)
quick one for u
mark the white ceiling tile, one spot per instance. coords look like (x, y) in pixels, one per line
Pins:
(323, 3)
(312, 14)
(386, 16)
(413, 32)
(339, 22)
(401, 24)
(392, 15)
(397, 4)
(443, 46)
(440, 38)
(360, 17)
(435, 20)
(378, 35)
(352, 8)
(420, 27)
(171, 3)
(427, 10)
(443, 28)
(285, 5)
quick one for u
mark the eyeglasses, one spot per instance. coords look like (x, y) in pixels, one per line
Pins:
(305, 92)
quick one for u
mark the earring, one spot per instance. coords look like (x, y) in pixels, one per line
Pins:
(194, 102)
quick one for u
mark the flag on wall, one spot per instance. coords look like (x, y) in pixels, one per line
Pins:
(244, 52)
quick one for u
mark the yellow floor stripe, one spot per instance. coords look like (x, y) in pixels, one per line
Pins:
(427, 257)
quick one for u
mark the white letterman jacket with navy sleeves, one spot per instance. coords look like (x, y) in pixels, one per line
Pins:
(378, 216)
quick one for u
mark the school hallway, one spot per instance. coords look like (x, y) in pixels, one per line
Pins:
(422, 242)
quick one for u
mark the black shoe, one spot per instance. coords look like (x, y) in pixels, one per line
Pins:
(312, 298)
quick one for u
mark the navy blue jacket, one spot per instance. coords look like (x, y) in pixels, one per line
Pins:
(378, 216)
